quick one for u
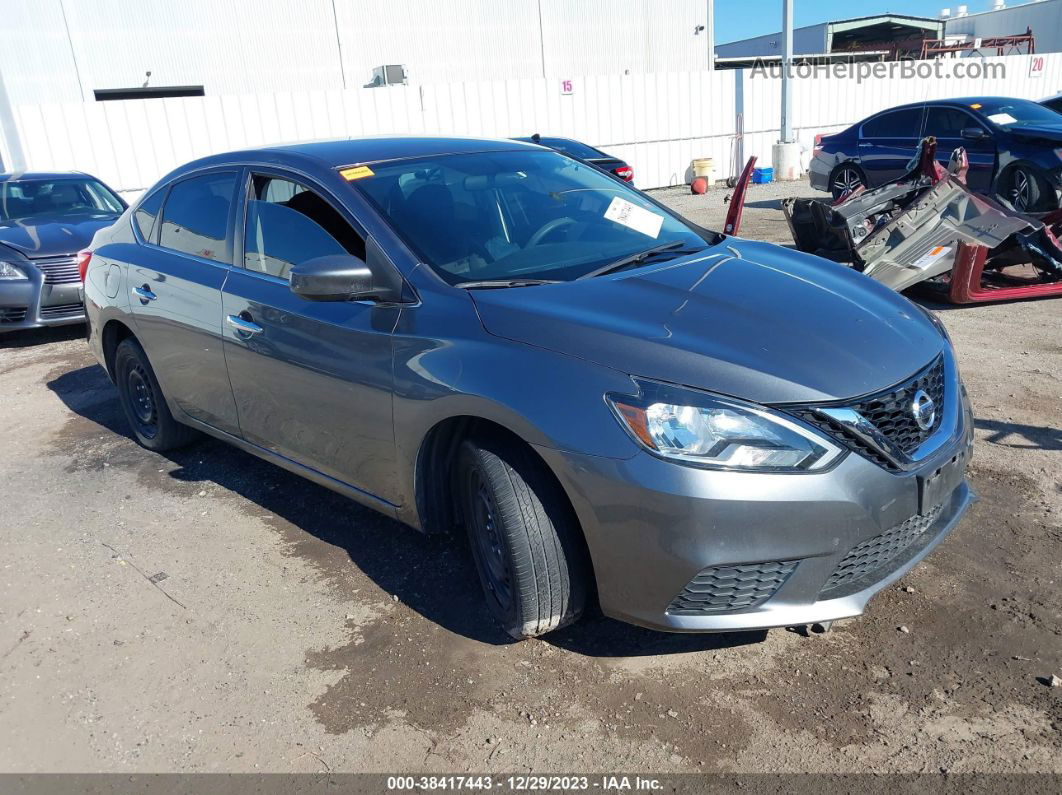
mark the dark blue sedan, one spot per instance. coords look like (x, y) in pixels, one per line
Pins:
(1014, 147)
(45, 220)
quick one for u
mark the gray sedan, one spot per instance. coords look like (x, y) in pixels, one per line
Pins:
(699, 432)
(45, 220)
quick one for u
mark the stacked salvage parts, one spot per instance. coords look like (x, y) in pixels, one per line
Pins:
(928, 228)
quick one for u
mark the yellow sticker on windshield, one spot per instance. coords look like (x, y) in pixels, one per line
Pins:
(355, 172)
(976, 106)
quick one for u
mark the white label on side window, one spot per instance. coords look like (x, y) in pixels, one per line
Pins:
(1001, 118)
(930, 257)
(634, 217)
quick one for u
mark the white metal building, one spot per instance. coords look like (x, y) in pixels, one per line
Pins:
(841, 35)
(992, 18)
(66, 50)
(1008, 19)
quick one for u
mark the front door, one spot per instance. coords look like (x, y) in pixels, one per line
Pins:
(176, 293)
(312, 380)
(887, 144)
(947, 124)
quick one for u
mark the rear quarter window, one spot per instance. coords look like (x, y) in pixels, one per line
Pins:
(144, 216)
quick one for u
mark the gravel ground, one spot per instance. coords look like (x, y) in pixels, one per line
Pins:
(205, 611)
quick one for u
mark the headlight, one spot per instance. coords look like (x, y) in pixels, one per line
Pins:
(9, 271)
(720, 433)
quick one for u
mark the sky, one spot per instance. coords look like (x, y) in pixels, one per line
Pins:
(742, 19)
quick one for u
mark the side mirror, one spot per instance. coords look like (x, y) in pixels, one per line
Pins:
(336, 277)
(973, 133)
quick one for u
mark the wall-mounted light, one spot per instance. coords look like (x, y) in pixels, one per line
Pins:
(698, 29)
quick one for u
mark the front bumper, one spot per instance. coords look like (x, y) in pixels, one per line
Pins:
(35, 303)
(655, 528)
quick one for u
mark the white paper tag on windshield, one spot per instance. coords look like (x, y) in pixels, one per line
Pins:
(1001, 118)
(634, 217)
(930, 257)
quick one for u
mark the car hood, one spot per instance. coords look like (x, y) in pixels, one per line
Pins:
(1039, 132)
(747, 319)
(37, 237)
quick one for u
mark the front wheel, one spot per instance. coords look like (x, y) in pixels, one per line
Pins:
(143, 402)
(523, 537)
(1027, 191)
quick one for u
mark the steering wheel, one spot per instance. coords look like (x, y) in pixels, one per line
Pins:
(547, 228)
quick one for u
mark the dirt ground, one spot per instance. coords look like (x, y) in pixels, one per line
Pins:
(206, 611)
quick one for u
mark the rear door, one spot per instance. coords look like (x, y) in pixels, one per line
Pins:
(176, 292)
(888, 142)
(947, 124)
(312, 380)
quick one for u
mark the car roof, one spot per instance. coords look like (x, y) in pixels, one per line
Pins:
(323, 156)
(373, 149)
(17, 175)
(959, 101)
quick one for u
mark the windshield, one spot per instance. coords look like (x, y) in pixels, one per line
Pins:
(29, 198)
(518, 215)
(1017, 113)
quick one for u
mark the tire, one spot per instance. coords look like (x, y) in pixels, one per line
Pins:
(1027, 192)
(143, 402)
(846, 177)
(523, 536)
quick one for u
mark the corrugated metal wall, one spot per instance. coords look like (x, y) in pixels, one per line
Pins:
(240, 46)
(657, 122)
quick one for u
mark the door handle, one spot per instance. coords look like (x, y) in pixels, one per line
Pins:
(144, 294)
(244, 328)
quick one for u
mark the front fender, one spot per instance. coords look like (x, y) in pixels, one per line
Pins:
(547, 399)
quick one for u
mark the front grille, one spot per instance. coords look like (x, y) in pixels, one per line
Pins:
(891, 413)
(62, 310)
(59, 270)
(11, 315)
(723, 589)
(848, 439)
(873, 559)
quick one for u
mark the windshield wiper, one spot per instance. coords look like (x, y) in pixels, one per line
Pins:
(494, 284)
(639, 259)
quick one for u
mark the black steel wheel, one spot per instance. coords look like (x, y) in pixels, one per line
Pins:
(143, 402)
(524, 539)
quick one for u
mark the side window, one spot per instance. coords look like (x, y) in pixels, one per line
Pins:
(897, 124)
(145, 215)
(196, 216)
(948, 122)
(287, 224)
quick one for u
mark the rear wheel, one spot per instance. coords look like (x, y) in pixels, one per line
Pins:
(143, 402)
(523, 537)
(846, 178)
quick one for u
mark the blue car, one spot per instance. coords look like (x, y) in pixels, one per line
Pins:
(45, 220)
(1014, 147)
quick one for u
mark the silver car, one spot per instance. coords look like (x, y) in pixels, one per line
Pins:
(700, 432)
(45, 220)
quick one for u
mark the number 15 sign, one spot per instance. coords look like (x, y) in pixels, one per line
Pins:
(567, 87)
